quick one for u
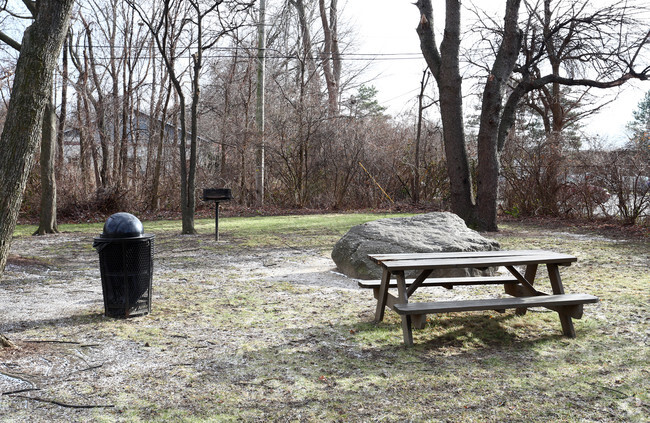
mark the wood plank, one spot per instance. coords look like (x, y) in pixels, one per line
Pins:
(468, 254)
(465, 280)
(494, 304)
(475, 262)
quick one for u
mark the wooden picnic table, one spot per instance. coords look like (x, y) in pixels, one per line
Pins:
(518, 284)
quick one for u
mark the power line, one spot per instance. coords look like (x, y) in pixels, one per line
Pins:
(275, 54)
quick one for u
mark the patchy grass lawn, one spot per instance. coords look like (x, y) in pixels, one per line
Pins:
(259, 328)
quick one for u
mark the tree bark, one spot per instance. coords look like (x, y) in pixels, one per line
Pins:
(21, 134)
(47, 220)
(60, 135)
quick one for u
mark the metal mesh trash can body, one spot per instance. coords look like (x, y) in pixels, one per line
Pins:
(126, 267)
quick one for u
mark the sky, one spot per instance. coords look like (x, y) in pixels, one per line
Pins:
(385, 30)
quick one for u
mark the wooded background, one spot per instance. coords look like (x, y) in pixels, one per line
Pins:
(126, 68)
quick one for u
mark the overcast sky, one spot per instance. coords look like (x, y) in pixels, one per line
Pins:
(386, 31)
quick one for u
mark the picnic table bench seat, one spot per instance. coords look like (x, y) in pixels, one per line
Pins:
(499, 304)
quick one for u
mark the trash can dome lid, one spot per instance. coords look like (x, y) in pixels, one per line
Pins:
(122, 225)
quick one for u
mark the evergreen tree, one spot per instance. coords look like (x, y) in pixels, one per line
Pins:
(639, 128)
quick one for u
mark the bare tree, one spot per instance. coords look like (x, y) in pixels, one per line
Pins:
(260, 165)
(21, 133)
(203, 25)
(415, 184)
(331, 56)
(601, 58)
(47, 220)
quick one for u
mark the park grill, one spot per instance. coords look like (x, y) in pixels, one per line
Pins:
(217, 195)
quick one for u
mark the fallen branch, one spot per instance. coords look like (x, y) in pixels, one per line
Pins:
(15, 376)
(623, 394)
(64, 404)
(19, 391)
(97, 366)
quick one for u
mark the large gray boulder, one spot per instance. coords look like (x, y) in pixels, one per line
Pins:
(425, 233)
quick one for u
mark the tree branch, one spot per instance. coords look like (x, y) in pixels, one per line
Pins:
(427, 36)
(9, 41)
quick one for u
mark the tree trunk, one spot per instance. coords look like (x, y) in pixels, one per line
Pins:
(187, 214)
(260, 166)
(308, 56)
(445, 67)
(415, 186)
(331, 57)
(190, 196)
(491, 112)
(60, 137)
(155, 188)
(47, 220)
(21, 134)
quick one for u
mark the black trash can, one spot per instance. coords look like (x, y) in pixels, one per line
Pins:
(126, 266)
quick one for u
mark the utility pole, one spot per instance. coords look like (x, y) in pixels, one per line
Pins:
(259, 111)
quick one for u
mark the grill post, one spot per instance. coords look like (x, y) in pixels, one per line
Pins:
(216, 221)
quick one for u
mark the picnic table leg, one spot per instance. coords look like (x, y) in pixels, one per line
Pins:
(402, 298)
(383, 296)
(556, 284)
(531, 272)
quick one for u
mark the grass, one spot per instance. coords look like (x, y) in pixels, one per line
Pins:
(239, 346)
(257, 232)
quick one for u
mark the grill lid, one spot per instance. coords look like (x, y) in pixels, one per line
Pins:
(217, 194)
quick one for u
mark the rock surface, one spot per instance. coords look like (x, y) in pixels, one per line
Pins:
(431, 232)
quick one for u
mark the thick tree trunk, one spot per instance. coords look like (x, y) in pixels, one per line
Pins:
(445, 67)
(21, 134)
(491, 113)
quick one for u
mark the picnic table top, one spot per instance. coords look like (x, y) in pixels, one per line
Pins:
(479, 259)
